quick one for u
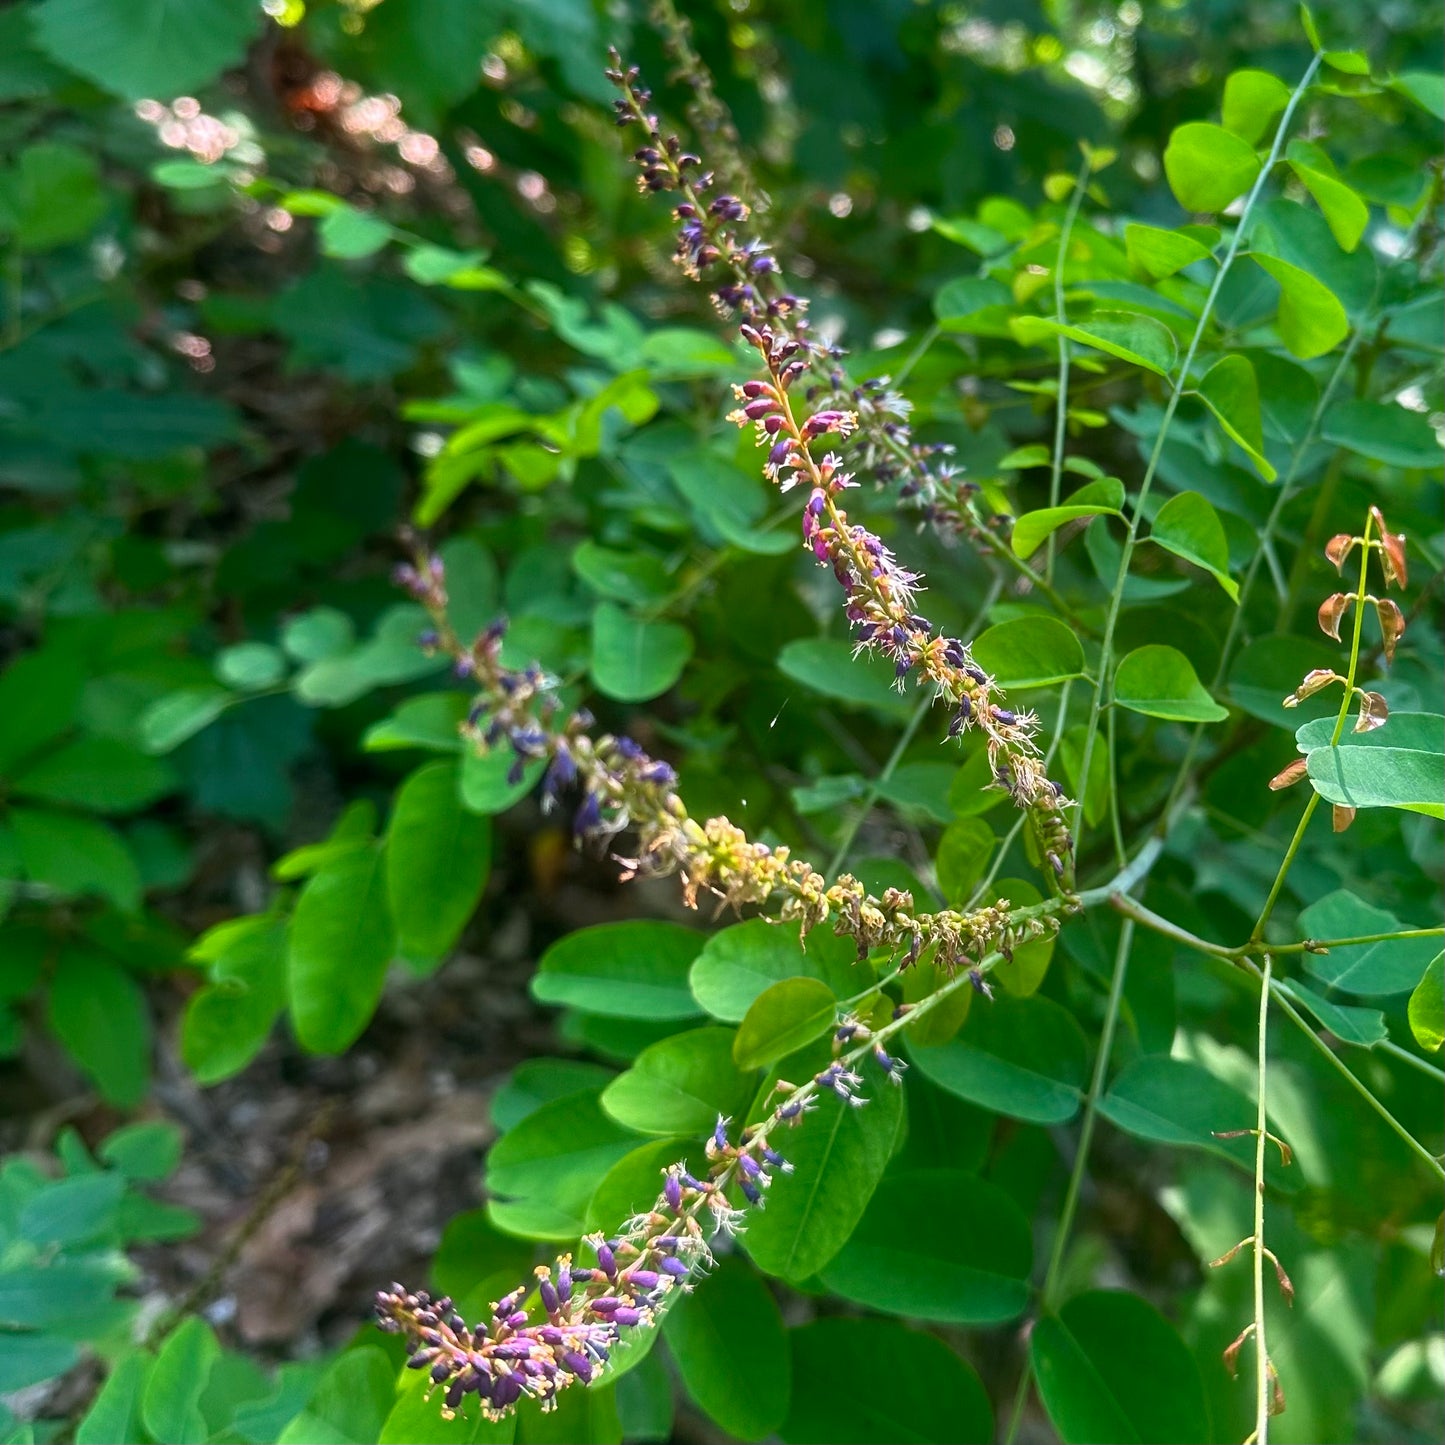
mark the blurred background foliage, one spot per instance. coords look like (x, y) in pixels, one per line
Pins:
(275, 279)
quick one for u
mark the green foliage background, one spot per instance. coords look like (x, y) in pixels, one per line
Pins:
(278, 280)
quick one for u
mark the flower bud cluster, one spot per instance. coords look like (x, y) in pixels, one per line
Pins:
(532, 1350)
(880, 593)
(747, 281)
(623, 789)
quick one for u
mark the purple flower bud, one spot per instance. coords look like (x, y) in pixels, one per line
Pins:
(589, 815)
(627, 1316)
(441, 1370)
(750, 1192)
(607, 1260)
(547, 1291)
(671, 1264)
(579, 1364)
(643, 1279)
(506, 1390)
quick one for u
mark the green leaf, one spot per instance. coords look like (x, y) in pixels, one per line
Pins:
(143, 1152)
(430, 721)
(1139, 340)
(958, 302)
(1159, 681)
(171, 719)
(1188, 526)
(963, 850)
(1104, 497)
(98, 773)
(1025, 652)
(99, 1014)
(909, 1257)
(1109, 1366)
(1252, 101)
(1208, 166)
(739, 962)
(251, 666)
(1363, 1026)
(622, 576)
(1230, 390)
(732, 1353)
(1023, 1057)
(170, 1406)
(416, 1415)
(438, 855)
(341, 943)
(1380, 777)
(543, 1172)
(782, 1019)
(1159, 253)
(1384, 432)
(828, 667)
(29, 1359)
(1425, 88)
(535, 1082)
(318, 634)
(141, 48)
(635, 970)
(74, 856)
(50, 196)
(1311, 319)
(114, 1414)
(349, 234)
(488, 782)
(838, 1160)
(1175, 1101)
(634, 660)
(70, 1212)
(39, 697)
(631, 1186)
(1427, 1006)
(680, 1085)
(1369, 969)
(228, 1020)
(1346, 214)
(849, 1387)
(351, 1403)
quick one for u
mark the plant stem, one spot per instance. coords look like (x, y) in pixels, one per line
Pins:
(1389, 1046)
(840, 853)
(1299, 833)
(1261, 1349)
(1061, 407)
(1410, 1141)
(1126, 555)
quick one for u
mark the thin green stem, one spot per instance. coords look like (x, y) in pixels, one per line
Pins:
(918, 353)
(1120, 853)
(1061, 407)
(1315, 945)
(1261, 1349)
(840, 853)
(1048, 1293)
(1091, 1103)
(1181, 379)
(1389, 1046)
(1348, 1074)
